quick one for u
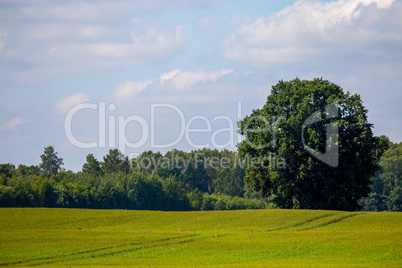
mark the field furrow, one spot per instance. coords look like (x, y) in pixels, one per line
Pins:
(248, 238)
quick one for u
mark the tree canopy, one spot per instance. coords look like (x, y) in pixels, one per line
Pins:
(153, 181)
(387, 183)
(197, 180)
(92, 166)
(322, 140)
(51, 163)
(115, 161)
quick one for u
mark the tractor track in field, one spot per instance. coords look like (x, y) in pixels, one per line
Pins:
(338, 219)
(95, 253)
(88, 251)
(331, 221)
(301, 223)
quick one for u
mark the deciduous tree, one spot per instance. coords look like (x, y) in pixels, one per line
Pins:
(51, 163)
(322, 170)
(115, 162)
(92, 166)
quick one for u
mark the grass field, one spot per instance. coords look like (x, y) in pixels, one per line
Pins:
(248, 238)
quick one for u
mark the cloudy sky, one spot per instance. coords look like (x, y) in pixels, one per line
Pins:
(145, 74)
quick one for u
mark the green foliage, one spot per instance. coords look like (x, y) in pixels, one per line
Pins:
(176, 181)
(175, 194)
(46, 193)
(387, 183)
(3, 179)
(92, 166)
(115, 162)
(7, 196)
(7, 170)
(196, 198)
(274, 134)
(394, 200)
(230, 181)
(375, 202)
(226, 202)
(209, 171)
(24, 171)
(51, 163)
(208, 203)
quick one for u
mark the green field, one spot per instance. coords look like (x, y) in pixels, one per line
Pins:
(257, 238)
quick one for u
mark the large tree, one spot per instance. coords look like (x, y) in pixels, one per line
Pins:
(310, 146)
(92, 166)
(115, 162)
(51, 163)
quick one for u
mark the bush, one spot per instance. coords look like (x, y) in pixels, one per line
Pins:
(220, 205)
(7, 196)
(208, 202)
(196, 198)
(394, 201)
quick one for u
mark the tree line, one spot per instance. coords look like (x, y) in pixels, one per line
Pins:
(176, 181)
(198, 180)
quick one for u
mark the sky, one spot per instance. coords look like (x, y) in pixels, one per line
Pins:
(90, 76)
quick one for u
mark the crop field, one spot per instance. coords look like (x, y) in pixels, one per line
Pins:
(248, 238)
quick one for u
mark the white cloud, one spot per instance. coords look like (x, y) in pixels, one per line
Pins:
(155, 45)
(167, 76)
(311, 29)
(49, 37)
(130, 88)
(67, 103)
(183, 79)
(176, 79)
(12, 124)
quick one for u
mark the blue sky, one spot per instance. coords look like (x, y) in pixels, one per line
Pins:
(205, 63)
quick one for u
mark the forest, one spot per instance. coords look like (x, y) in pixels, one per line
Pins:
(176, 181)
(118, 183)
